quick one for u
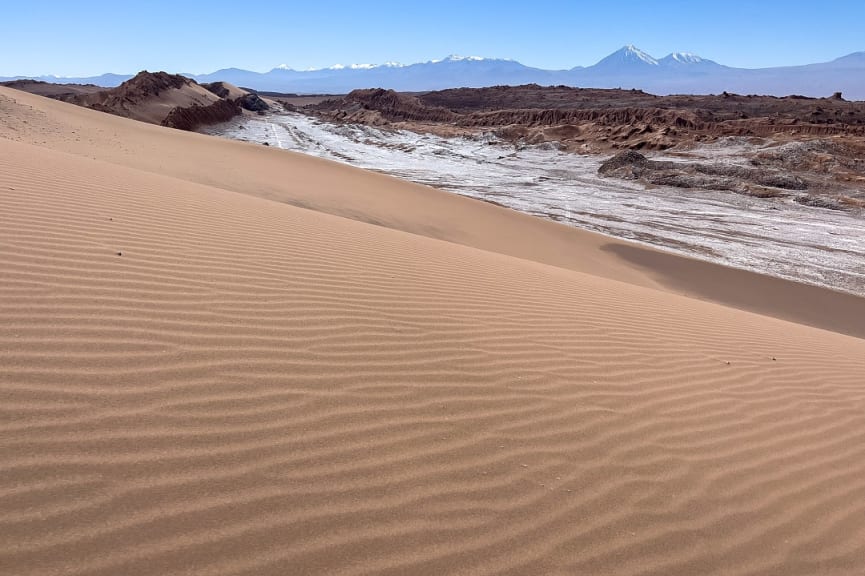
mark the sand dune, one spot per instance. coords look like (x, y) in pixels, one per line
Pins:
(323, 186)
(197, 379)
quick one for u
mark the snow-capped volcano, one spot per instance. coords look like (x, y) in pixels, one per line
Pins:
(630, 51)
(683, 58)
(626, 58)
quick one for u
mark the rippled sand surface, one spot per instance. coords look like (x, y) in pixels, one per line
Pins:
(218, 358)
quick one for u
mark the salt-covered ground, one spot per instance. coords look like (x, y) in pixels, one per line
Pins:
(772, 236)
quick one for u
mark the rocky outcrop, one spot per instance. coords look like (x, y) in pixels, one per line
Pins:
(626, 159)
(763, 182)
(221, 89)
(191, 117)
(150, 84)
(246, 99)
(145, 87)
(377, 106)
(253, 103)
(596, 119)
(708, 108)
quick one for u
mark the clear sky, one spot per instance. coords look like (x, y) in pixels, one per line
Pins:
(69, 38)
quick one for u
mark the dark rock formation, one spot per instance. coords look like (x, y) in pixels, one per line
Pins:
(377, 106)
(620, 160)
(248, 100)
(218, 88)
(191, 117)
(253, 103)
(598, 119)
(152, 83)
(632, 165)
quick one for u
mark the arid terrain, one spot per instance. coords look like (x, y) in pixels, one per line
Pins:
(219, 358)
(819, 158)
(821, 141)
(601, 120)
(745, 181)
(740, 217)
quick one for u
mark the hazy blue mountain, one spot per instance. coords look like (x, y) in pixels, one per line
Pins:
(106, 80)
(447, 72)
(855, 61)
(629, 67)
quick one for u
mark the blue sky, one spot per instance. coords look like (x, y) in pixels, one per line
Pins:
(88, 38)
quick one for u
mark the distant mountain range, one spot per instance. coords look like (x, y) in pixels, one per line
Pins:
(629, 67)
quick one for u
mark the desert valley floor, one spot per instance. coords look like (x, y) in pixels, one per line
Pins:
(771, 236)
(221, 358)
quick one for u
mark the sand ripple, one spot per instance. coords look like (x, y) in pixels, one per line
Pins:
(199, 382)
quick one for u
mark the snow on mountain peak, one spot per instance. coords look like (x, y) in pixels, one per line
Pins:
(458, 58)
(351, 67)
(685, 57)
(626, 54)
(633, 51)
(393, 64)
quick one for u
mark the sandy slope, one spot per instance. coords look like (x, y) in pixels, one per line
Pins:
(341, 190)
(196, 380)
